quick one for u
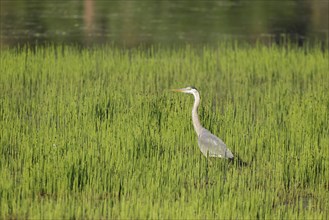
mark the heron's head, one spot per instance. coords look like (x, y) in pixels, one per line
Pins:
(190, 90)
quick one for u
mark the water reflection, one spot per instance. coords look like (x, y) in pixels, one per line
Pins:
(88, 17)
(130, 23)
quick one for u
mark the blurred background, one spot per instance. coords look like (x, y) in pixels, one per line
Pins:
(131, 23)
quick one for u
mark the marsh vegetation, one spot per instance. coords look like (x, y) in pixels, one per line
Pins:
(96, 133)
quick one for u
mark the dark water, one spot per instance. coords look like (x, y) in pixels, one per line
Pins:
(130, 23)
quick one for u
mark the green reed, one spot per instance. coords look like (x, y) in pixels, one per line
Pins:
(96, 133)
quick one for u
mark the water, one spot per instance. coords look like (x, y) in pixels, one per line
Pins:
(131, 23)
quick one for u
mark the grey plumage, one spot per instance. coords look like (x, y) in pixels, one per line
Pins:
(212, 145)
(209, 144)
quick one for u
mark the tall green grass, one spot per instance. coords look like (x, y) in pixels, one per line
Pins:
(96, 133)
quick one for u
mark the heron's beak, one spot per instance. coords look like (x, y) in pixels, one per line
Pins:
(178, 90)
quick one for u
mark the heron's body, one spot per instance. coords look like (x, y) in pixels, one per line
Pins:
(212, 146)
(209, 144)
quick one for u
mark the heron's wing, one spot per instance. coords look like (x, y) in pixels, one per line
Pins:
(213, 146)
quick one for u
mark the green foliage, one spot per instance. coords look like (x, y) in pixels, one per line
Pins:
(96, 133)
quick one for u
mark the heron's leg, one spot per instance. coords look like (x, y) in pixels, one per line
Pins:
(207, 170)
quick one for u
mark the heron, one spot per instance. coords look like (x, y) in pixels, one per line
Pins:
(209, 144)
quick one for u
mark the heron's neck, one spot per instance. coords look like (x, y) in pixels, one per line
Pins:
(195, 117)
